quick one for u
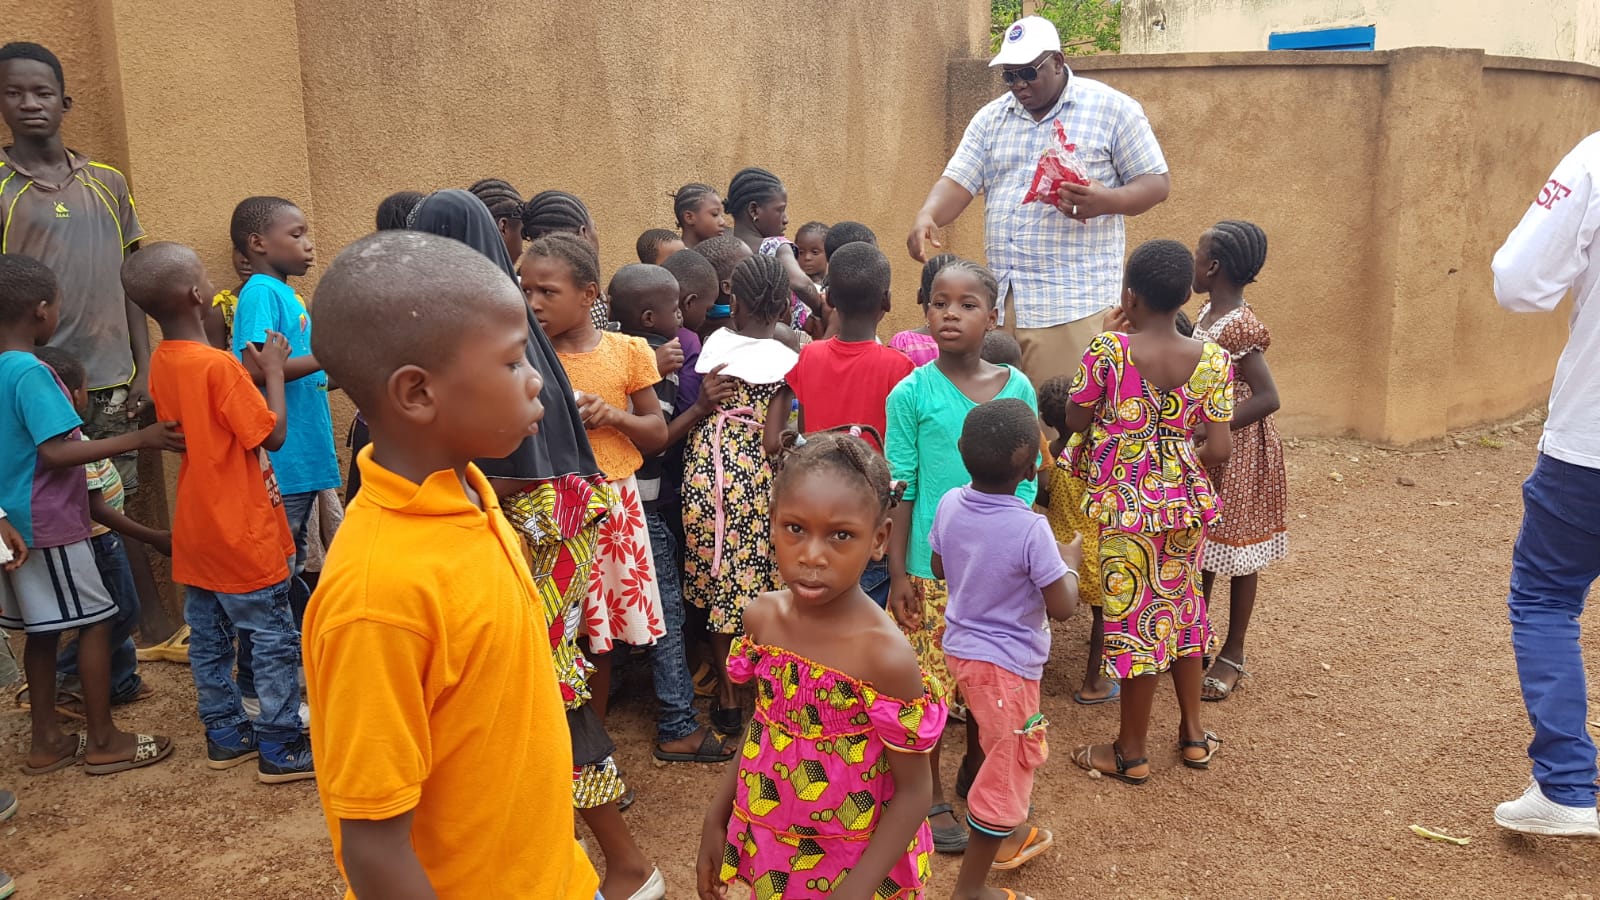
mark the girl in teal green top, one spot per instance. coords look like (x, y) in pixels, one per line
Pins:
(925, 415)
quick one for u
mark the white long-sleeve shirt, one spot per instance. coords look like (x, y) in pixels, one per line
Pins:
(1552, 251)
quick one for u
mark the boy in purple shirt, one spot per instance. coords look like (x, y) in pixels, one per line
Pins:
(1006, 574)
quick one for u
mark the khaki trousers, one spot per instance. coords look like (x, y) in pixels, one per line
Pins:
(1053, 351)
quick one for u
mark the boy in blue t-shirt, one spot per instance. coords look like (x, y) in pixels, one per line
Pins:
(272, 234)
(45, 494)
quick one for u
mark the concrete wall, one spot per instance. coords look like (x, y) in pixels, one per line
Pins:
(1383, 179)
(1385, 182)
(1542, 29)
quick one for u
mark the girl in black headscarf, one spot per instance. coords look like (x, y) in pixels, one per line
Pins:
(554, 493)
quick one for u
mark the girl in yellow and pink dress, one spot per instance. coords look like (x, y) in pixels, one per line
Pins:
(844, 716)
(1148, 396)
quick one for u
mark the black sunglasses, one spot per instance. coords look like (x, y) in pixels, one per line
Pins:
(1026, 73)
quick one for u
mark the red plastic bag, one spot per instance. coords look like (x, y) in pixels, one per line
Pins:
(1058, 165)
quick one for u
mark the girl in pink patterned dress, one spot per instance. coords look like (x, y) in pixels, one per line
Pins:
(918, 344)
(844, 716)
(1147, 394)
(1254, 488)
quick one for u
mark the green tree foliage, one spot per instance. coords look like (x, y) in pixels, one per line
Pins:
(1086, 26)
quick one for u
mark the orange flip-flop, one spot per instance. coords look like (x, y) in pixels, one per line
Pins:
(1037, 842)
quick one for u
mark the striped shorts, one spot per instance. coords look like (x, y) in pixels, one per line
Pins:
(57, 589)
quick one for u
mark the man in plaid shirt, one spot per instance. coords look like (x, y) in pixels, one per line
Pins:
(1059, 268)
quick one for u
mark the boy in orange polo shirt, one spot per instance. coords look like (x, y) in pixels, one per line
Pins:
(444, 763)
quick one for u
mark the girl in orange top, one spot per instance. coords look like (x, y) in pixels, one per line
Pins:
(614, 377)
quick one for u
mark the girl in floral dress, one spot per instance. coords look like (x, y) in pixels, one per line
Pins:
(1146, 394)
(556, 496)
(1254, 489)
(727, 485)
(615, 377)
(843, 713)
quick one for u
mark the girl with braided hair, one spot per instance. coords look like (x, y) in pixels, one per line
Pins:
(844, 716)
(727, 482)
(1252, 533)
(759, 205)
(697, 210)
(552, 212)
(505, 204)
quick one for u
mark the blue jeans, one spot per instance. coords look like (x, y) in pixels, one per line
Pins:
(111, 558)
(669, 667)
(213, 621)
(1556, 559)
(297, 507)
(875, 581)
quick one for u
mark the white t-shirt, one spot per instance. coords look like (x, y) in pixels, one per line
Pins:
(1551, 251)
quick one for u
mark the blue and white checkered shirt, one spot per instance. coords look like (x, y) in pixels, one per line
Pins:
(1059, 270)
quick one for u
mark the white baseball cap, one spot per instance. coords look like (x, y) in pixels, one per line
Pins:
(1026, 40)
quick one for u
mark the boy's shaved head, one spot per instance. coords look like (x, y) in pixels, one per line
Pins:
(634, 284)
(693, 272)
(160, 276)
(399, 298)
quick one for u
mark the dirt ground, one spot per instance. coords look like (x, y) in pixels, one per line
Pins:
(1383, 694)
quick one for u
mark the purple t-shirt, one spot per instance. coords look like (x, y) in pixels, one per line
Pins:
(688, 379)
(50, 507)
(998, 555)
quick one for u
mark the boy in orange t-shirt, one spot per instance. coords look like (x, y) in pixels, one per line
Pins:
(445, 767)
(230, 540)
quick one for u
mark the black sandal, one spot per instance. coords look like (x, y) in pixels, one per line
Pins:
(1210, 743)
(728, 720)
(711, 750)
(1084, 759)
(947, 840)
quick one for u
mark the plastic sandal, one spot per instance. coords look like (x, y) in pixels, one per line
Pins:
(1114, 696)
(147, 751)
(710, 750)
(173, 649)
(1032, 846)
(69, 704)
(1083, 757)
(70, 759)
(947, 840)
(1218, 691)
(1210, 743)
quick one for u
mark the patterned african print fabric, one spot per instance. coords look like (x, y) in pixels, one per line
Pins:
(623, 604)
(927, 638)
(799, 313)
(1152, 497)
(1143, 474)
(813, 777)
(1154, 610)
(727, 489)
(561, 571)
(1066, 515)
(1253, 486)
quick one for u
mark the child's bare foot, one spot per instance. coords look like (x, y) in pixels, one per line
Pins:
(64, 750)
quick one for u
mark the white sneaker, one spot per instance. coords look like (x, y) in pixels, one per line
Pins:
(1534, 813)
(252, 709)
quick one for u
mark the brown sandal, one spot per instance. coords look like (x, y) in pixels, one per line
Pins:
(71, 759)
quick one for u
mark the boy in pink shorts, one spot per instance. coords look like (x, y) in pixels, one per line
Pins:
(1006, 574)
